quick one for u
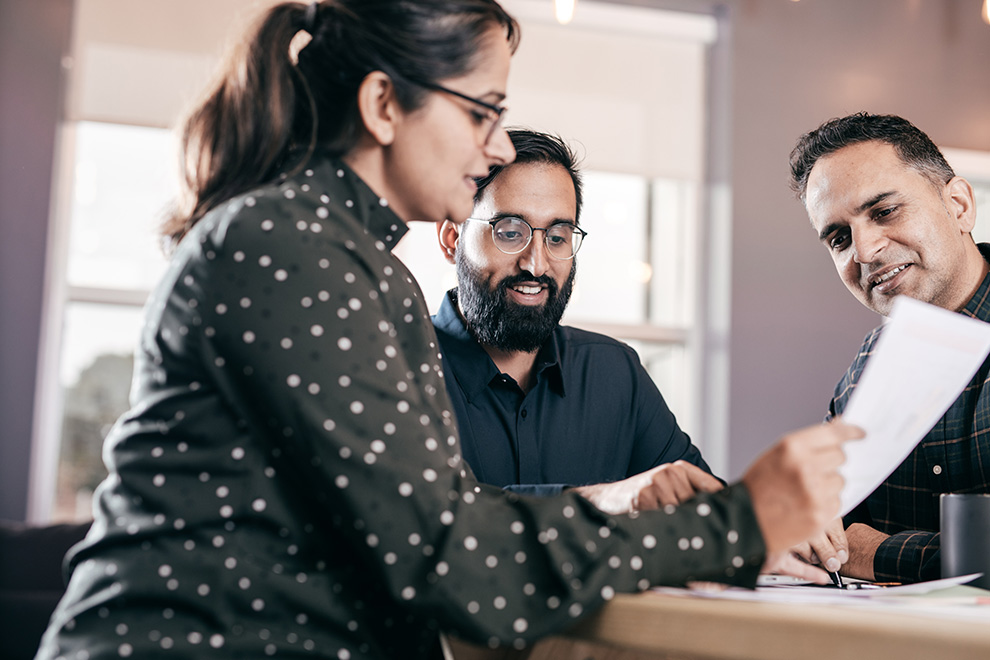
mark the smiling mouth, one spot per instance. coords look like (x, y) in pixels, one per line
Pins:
(529, 290)
(878, 281)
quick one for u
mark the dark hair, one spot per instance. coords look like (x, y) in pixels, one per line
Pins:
(264, 105)
(913, 147)
(537, 147)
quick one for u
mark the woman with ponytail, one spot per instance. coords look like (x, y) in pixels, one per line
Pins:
(289, 479)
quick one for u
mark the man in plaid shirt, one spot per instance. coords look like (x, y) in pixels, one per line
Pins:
(897, 220)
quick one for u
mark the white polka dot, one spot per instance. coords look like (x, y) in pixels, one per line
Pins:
(408, 593)
(341, 481)
(429, 475)
(607, 592)
(447, 518)
(237, 453)
(491, 561)
(473, 607)
(683, 544)
(239, 256)
(635, 563)
(737, 561)
(267, 225)
(470, 543)
(405, 489)
(732, 536)
(158, 480)
(329, 425)
(704, 509)
(248, 337)
(344, 344)
(281, 275)
(499, 603)
(259, 505)
(313, 388)
(293, 380)
(264, 261)
(216, 641)
(517, 527)
(316, 330)
(649, 541)
(354, 304)
(357, 407)
(697, 543)
(257, 604)
(125, 650)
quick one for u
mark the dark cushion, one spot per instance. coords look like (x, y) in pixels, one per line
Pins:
(31, 581)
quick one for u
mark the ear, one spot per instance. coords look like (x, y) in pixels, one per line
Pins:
(961, 203)
(380, 112)
(448, 234)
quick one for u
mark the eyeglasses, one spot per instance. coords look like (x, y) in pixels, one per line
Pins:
(494, 115)
(512, 235)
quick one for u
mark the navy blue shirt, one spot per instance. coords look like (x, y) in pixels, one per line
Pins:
(593, 414)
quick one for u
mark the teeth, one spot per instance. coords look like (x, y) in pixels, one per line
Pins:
(529, 290)
(887, 276)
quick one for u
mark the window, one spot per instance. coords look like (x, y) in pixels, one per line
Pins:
(626, 86)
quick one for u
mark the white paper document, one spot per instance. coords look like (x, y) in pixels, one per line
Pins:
(924, 358)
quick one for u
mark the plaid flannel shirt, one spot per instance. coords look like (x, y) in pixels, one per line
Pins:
(954, 457)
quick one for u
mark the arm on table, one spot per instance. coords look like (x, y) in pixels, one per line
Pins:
(671, 483)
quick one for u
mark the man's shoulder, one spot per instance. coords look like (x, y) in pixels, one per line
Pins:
(578, 339)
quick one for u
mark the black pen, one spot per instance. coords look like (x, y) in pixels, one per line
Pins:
(836, 579)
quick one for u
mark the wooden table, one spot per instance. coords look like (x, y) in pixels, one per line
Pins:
(651, 626)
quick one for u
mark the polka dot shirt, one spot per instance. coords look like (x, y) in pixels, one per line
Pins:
(289, 480)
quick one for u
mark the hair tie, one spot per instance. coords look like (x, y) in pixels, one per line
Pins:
(309, 18)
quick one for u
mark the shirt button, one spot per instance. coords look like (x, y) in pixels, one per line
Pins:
(523, 413)
(937, 469)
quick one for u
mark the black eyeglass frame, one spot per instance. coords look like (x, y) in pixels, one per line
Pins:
(532, 232)
(499, 110)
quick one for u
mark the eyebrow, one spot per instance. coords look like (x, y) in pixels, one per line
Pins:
(871, 202)
(555, 221)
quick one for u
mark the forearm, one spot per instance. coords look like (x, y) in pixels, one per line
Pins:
(863, 544)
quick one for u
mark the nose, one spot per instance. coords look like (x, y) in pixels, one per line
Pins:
(535, 258)
(868, 241)
(499, 148)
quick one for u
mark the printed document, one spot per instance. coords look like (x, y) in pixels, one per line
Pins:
(923, 360)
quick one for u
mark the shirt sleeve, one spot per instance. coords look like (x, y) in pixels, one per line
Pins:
(539, 490)
(657, 430)
(338, 364)
(911, 556)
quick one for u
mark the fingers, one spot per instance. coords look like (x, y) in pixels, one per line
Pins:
(675, 483)
(784, 563)
(804, 551)
(700, 481)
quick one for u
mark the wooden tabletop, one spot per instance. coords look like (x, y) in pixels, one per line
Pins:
(649, 626)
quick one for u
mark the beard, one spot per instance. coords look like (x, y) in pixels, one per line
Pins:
(506, 326)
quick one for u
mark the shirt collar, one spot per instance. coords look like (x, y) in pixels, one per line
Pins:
(979, 305)
(331, 181)
(473, 366)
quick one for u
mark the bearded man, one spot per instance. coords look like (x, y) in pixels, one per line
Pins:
(540, 406)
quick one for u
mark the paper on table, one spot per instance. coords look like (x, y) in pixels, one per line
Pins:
(924, 358)
(786, 582)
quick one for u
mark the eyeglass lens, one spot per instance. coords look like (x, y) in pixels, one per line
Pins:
(512, 235)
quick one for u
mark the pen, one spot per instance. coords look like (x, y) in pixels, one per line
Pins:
(836, 579)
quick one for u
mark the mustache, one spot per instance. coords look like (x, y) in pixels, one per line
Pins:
(528, 278)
